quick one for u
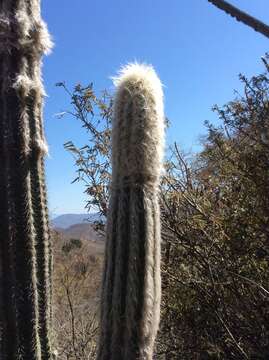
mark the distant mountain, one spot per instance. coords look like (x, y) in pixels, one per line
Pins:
(66, 220)
(84, 231)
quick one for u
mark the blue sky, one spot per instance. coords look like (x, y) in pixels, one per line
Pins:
(197, 50)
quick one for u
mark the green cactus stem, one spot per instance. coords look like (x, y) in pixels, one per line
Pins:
(25, 248)
(130, 307)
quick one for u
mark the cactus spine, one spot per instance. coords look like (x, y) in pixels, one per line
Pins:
(25, 263)
(131, 283)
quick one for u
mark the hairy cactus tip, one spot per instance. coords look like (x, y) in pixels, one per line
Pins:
(140, 85)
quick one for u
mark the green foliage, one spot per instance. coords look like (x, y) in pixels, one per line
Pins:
(71, 245)
(215, 269)
(92, 160)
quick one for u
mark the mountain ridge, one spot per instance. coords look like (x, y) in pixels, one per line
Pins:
(64, 221)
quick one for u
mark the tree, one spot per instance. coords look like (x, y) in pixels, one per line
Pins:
(215, 271)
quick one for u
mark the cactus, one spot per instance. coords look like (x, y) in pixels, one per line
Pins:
(25, 250)
(131, 288)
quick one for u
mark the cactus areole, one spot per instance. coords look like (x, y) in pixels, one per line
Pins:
(25, 252)
(131, 292)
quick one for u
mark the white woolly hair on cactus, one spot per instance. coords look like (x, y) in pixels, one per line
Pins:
(131, 292)
(141, 80)
(27, 24)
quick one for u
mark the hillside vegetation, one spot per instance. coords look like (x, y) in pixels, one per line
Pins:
(77, 277)
(215, 226)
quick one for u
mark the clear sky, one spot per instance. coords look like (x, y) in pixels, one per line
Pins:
(197, 50)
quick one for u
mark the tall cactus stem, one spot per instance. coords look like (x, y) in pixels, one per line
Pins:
(130, 307)
(24, 236)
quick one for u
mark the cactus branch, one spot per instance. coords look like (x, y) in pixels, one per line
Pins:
(242, 16)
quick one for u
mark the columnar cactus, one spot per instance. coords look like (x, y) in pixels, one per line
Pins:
(131, 283)
(25, 263)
